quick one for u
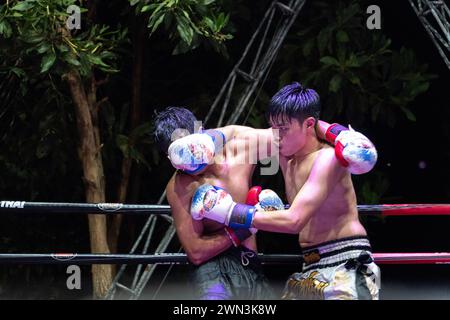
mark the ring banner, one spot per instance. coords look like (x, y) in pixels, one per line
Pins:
(113, 208)
(180, 258)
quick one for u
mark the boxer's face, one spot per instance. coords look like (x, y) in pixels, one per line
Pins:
(290, 136)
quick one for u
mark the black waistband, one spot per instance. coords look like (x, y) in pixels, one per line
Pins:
(331, 242)
(335, 252)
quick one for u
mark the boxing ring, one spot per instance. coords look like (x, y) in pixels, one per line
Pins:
(162, 258)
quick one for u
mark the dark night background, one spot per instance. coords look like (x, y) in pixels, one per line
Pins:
(195, 77)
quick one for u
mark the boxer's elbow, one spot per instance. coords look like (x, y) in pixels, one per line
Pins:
(297, 222)
(295, 225)
(196, 255)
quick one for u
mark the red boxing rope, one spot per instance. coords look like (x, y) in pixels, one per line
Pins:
(412, 258)
(407, 209)
(119, 208)
(180, 258)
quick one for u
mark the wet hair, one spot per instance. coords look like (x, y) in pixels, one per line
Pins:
(293, 102)
(167, 121)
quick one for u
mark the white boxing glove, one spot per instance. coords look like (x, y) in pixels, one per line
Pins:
(353, 150)
(216, 204)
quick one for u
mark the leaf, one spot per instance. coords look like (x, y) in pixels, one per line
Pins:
(323, 39)
(184, 30)
(335, 83)
(342, 36)
(18, 72)
(157, 23)
(62, 48)
(5, 29)
(408, 114)
(145, 8)
(97, 61)
(23, 6)
(168, 20)
(33, 38)
(353, 61)
(341, 53)
(72, 61)
(328, 60)
(43, 48)
(123, 143)
(134, 2)
(354, 79)
(420, 88)
(308, 48)
(209, 22)
(47, 61)
(142, 129)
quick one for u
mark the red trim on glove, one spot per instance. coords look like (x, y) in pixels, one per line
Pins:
(338, 148)
(234, 239)
(252, 195)
(333, 131)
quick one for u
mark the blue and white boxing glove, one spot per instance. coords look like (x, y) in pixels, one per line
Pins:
(269, 201)
(216, 204)
(194, 152)
(353, 149)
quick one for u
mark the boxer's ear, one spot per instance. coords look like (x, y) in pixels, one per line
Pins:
(310, 122)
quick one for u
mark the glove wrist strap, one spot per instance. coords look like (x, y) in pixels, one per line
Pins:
(333, 131)
(241, 216)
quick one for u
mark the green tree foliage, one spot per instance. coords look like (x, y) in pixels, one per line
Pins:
(187, 22)
(36, 50)
(361, 78)
(357, 72)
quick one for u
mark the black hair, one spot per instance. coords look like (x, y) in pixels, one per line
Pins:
(170, 119)
(293, 102)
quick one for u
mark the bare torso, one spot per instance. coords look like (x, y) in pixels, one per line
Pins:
(337, 217)
(230, 173)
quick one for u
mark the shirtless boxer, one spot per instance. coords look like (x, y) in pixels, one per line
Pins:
(226, 264)
(338, 263)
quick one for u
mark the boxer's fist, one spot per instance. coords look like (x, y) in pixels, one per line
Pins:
(217, 204)
(353, 150)
(191, 153)
(269, 201)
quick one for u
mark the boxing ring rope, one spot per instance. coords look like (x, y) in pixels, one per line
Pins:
(178, 258)
(181, 258)
(119, 208)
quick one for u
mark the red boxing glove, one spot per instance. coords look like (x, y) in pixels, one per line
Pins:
(253, 195)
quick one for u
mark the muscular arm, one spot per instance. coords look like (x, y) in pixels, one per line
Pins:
(258, 140)
(263, 138)
(323, 178)
(198, 247)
